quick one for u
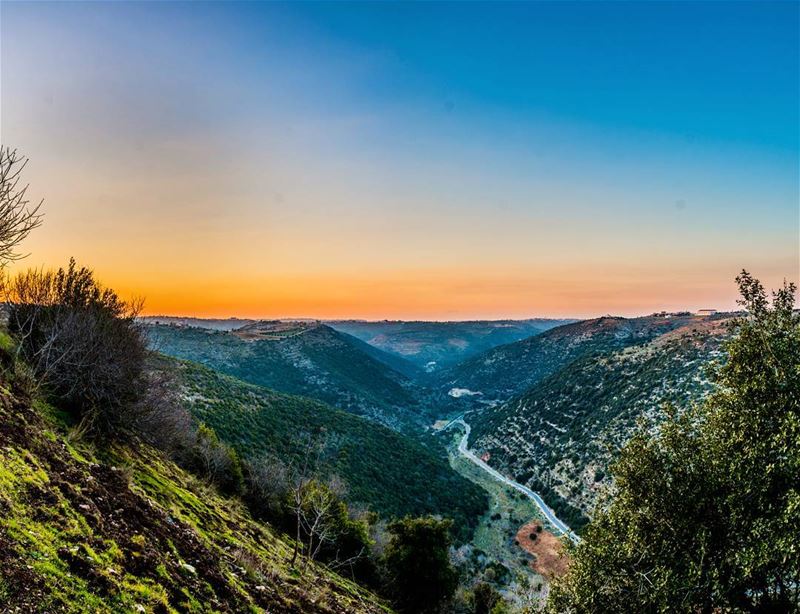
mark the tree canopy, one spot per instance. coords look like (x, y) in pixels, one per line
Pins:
(418, 563)
(706, 512)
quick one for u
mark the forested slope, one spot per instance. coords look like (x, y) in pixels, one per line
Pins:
(393, 474)
(317, 362)
(559, 436)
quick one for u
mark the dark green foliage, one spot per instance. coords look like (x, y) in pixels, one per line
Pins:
(216, 461)
(484, 598)
(393, 474)
(706, 515)
(418, 564)
(320, 363)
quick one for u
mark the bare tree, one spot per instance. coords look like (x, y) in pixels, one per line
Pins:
(317, 515)
(316, 447)
(18, 217)
(268, 486)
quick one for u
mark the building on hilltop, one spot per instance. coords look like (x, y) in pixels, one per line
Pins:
(705, 312)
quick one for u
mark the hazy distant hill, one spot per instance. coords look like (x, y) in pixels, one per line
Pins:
(507, 370)
(393, 474)
(210, 323)
(557, 435)
(434, 345)
(304, 358)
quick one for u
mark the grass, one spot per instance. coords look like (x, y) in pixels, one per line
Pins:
(496, 530)
(119, 528)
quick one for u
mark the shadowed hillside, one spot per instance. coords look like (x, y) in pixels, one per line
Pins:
(392, 474)
(308, 359)
(508, 370)
(436, 345)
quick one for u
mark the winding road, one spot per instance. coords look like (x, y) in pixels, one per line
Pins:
(534, 496)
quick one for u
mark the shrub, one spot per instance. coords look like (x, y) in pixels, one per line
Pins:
(418, 564)
(82, 342)
(484, 598)
(218, 462)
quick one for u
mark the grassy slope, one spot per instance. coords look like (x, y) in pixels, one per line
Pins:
(123, 530)
(395, 475)
(321, 363)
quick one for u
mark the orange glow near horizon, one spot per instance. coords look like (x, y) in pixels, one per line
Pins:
(432, 295)
(243, 159)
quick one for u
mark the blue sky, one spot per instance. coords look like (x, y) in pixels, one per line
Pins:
(487, 159)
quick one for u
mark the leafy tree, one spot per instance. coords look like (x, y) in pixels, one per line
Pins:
(417, 562)
(706, 515)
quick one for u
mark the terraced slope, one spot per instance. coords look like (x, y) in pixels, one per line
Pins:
(506, 371)
(120, 529)
(393, 474)
(312, 360)
(559, 436)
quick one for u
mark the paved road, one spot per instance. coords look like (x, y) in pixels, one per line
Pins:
(537, 499)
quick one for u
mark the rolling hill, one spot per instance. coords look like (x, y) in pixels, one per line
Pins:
(393, 474)
(508, 370)
(436, 345)
(309, 359)
(559, 436)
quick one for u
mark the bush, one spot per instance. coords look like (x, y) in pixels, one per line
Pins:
(484, 598)
(268, 486)
(218, 462)
(82, 342)
(417, 561)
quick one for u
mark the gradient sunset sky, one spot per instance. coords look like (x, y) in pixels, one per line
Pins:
(427, 160)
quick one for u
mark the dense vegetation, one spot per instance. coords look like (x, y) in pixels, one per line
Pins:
(393, 474)
(706, 512)
(82, 342)
(418, 561)
(320, 363)
(509, 370)
(560, 435)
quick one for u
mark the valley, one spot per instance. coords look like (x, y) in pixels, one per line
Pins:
(523, 431)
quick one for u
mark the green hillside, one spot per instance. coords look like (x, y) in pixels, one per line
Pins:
(119, 529)
(559, 436)
(314, 361)
(436, 345)
(395, 475)
(509, 370)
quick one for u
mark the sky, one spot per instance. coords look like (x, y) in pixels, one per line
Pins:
(410, 160)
